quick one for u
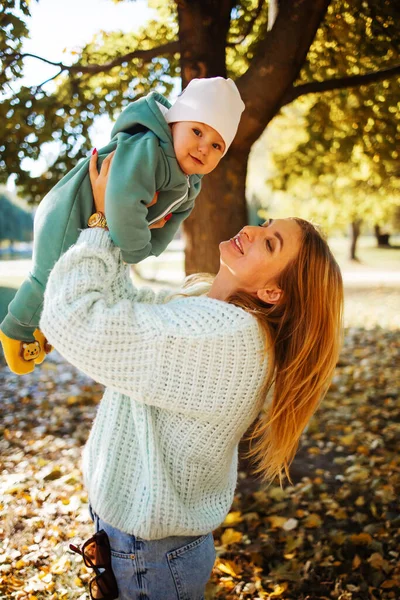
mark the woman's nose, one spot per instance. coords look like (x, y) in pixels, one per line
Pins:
(250, 232)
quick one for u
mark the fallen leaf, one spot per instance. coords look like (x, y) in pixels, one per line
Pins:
(278, 590)
(313, 521)
(276, 522)
(376, 560)
(231, 536)
(233, 518)
(228, 567)
(390, 583)
(356, 562)
(361, 539)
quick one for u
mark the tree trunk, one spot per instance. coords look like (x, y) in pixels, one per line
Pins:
(220, 210)
(203, 29)
(219, 214)
(355, 228)
(382, 239)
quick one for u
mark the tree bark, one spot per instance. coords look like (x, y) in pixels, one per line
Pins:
(203, 29)
(217, 215)
(355, 228)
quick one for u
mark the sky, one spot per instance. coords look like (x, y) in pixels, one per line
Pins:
(59, 26)
(56, 26)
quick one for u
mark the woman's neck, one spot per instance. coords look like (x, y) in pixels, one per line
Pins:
(222, 287)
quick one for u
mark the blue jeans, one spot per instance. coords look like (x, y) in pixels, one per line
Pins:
(174, 568)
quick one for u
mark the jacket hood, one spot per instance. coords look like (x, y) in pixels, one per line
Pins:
(146, 112)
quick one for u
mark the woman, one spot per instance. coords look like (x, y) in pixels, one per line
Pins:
(185, 377)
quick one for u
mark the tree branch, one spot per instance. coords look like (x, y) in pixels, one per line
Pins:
(11, 58)
(339, 83)
(168, 48)
(280, 56)
(38, 87)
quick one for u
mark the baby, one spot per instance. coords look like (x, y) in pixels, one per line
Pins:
(159, 149)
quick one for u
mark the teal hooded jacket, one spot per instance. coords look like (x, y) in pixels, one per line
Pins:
(144, 162)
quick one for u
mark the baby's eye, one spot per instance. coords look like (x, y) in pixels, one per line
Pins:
(197, 131)
(217, 146)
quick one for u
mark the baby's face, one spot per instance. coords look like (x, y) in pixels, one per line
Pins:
(198, 147)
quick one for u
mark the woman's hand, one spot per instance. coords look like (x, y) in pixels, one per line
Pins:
(159, 224)
(99, 182)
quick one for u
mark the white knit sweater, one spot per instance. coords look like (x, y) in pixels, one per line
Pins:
(183, 383)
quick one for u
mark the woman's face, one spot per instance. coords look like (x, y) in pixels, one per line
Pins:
(255, 257)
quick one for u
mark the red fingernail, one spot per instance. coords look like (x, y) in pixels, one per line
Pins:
(167, 218)
(94, 151)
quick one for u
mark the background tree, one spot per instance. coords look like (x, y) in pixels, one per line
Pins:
(337, 190)
(264, 46)
(345, 166)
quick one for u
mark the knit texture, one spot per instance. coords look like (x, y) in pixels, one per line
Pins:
(183, 382)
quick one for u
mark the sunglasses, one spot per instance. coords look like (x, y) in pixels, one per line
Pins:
(96, 554)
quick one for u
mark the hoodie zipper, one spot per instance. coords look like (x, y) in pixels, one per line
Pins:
(171, 206)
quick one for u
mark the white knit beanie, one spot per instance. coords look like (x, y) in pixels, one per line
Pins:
(214, 101)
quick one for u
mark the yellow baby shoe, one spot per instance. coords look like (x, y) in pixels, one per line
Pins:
(21, 356)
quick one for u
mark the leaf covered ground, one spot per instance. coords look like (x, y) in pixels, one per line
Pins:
(333, 534)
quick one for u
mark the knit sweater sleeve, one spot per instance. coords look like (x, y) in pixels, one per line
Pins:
(151, 351)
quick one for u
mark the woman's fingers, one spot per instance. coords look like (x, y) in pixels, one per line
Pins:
(154, 200)
(159, 224)
(93, 171)
(99, 180)
(106, 164)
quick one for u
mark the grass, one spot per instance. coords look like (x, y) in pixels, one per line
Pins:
(370, 256)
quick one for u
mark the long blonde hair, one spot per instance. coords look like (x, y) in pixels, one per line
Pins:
(303, 339)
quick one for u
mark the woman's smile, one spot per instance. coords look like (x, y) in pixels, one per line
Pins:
(235, 241)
